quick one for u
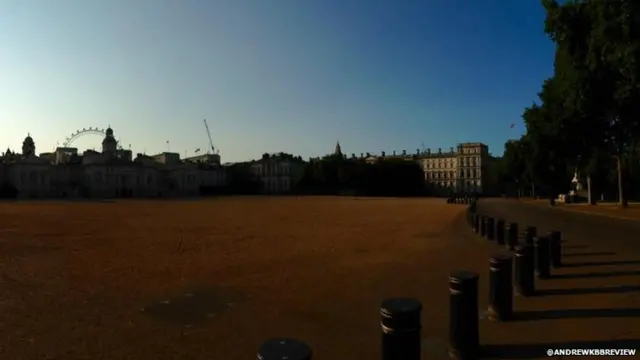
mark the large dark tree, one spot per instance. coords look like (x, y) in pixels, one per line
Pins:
(587, 113)
(598, 71)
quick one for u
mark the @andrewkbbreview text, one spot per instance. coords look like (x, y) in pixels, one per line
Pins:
(591, 352)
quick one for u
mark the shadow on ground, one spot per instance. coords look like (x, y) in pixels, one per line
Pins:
(596, 275)
(575, 314)
(539, 350)
(601, 253)
(585, 291)
(574, 246)
(194, 307)
(602, 263)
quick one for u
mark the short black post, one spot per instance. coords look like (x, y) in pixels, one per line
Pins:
(278, 349)
(543, 254)
(500, 287)
(512, 235)
(476, 223)
(555, 238)
(491, 228)
(483, 225)
(529, 234)
(500, 232)
(464, 338)
(524, 277)
(400, 321)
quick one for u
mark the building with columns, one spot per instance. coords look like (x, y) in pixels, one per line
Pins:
(107, 174)
(466, 168)
(277, 172)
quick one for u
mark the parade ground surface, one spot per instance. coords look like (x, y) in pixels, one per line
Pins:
(211, 279)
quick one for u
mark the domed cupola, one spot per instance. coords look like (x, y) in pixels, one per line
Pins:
(109, 144)
(28, 146)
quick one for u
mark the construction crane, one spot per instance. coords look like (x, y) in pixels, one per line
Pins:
(209, 135)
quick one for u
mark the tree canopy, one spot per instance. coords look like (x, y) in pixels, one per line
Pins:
(587, 113)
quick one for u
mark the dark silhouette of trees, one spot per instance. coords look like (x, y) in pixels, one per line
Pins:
(588, 113)
(338, 175)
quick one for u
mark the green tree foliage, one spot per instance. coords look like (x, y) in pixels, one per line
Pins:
(588, 112)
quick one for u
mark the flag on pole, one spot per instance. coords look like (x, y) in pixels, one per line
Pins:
(197, 150)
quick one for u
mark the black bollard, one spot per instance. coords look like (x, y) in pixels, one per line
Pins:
(464, 338)
(543, 263)
(483, 225)
(529, 234)
(512, 235)
(278, 349)
(555, 246)
(500, 287)
(476, 223)
(491, 228)
(500, 232)
(400, 321)
(524, 274)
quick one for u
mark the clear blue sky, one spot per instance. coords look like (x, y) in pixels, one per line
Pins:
(269, 76)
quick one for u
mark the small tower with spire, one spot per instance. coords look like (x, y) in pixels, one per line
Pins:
(338, 150)
(28, 147)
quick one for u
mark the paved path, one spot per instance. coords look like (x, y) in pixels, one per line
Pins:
(621, 234)
(593, 302)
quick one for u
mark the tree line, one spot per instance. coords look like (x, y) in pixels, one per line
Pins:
(338, 175)
(587, 115)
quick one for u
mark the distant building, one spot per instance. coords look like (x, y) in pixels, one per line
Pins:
(467, 168)
(277, 172)
(106, 174)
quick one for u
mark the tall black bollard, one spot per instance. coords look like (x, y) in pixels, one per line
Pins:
(512, 235)
(464, 338)
(278, 349)
(476, 223)
(500, 287)
(400, 321)
(483, 225)
(529, 234)
(491, 228)
(543, 263)
(555, 238)
(524, 277)
(500, 232)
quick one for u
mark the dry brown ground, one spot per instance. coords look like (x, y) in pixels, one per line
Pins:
(75, 276)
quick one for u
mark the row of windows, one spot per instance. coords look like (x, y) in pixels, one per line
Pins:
(272, 169)
(452, 184)
(282, 184)
(463, 174)
(476, 150)
(450, 162)
(33, 178)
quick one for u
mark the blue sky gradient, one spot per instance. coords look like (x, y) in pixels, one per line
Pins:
(269, 76)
